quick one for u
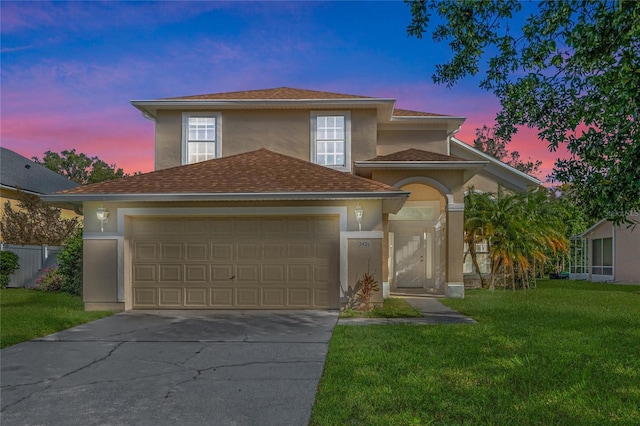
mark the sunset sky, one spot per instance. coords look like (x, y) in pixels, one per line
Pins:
(69, 70)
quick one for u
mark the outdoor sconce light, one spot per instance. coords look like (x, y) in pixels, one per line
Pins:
(359, 212)
(103, 217)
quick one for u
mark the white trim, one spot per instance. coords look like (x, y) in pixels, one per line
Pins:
(455, 207)
(313, 116)
(227, 196)
(505, 167)
(185, 132)
(340, 211)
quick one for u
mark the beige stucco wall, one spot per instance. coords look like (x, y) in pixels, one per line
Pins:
(452, 180)
(100, 274)
(394, 140)
(627, 247)
(284, 131)
(365, 255)
(482, 183)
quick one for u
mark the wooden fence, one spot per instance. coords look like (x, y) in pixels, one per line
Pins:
(33, 259)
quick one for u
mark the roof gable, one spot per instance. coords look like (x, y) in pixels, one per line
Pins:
(279, 93)
(413, 154)
(255, 172)
(19, 172)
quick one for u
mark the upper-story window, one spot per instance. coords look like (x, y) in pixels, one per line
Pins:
(331, 139)
(200, 137)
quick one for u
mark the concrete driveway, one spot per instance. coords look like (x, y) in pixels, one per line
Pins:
(170, 367)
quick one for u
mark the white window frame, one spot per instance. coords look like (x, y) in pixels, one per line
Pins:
(347, 138)
(185, 132)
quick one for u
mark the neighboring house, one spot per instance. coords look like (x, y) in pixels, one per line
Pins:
(280, 199)
(606, 252)
(18, 173)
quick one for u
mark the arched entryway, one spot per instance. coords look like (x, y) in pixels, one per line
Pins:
(417, 239)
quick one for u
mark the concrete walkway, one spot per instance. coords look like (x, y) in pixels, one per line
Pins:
(433, 312)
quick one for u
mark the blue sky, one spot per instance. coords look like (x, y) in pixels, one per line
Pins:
(69, 69)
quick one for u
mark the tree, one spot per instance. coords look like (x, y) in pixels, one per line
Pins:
(521, 230)
(35, 223)
(488, 142)
(80, 168)
(571, 72)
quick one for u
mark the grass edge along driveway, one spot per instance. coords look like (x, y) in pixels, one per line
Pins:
(567, 352)
(28, 314)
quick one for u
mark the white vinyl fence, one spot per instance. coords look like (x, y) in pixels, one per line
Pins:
(33, 259)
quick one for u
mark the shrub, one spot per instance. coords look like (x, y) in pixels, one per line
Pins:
(9, 263)
(70, 264)
(50, 280)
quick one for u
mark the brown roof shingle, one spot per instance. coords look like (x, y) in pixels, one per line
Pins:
(416, 155)
(272, 94)
(260, 171)
(409, 113)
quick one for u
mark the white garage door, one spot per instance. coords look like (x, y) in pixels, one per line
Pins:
(234, 263)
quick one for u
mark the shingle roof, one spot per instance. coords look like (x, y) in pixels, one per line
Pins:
(260, 171)
(416, 155)
(409, 113)
(293, 94)
(17, 171)
(270, 94)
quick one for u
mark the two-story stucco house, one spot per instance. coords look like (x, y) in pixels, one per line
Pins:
(280, 199)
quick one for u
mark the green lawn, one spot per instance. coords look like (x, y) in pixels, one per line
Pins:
(27, 314)
(391, 308)
(566, 353)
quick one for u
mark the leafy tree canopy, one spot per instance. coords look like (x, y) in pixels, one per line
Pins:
(35, 222)
(79, 167)
(572, 71)
(487, 141)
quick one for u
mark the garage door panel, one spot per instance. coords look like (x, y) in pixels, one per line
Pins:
(299, 274)
(170, 273)
(247, 274)
(273, 227)
(222, 273)
(273, 273)
(320, 274)
(300, 250)
(144, 273)
(196, 273)
(222, 297)
(247, 297)
(325, 227)
(234, 263)
(320, 297)
(274, 297)
(145, 251)
(196, 297)
(172, 227)
(197, 251)
(249, 251)
(222, 251)
(171, 251)
(301, 226)
(274, 251)
(145, 297)
(299, 297)
(170, 297)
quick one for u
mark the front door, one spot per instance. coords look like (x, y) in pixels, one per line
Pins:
(413, 255)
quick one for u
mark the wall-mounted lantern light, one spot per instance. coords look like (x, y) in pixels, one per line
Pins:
(103, 217)
(359, 211)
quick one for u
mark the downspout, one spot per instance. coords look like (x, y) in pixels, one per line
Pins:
(449, 136)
